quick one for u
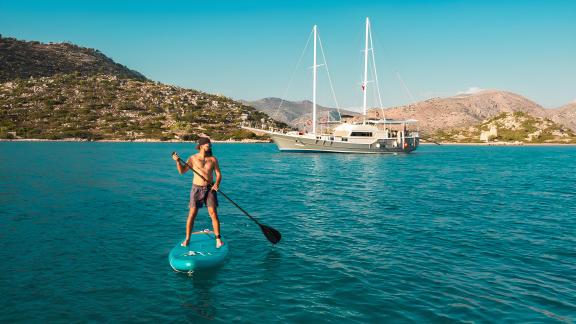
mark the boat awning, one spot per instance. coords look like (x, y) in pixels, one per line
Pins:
(330, 122)
(392, 121)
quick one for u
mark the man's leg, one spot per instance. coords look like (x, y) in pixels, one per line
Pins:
(190, 224)
(215, 225)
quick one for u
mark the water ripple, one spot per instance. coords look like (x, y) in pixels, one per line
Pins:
(448, 234)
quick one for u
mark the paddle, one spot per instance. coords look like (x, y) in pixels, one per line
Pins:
(271, 234)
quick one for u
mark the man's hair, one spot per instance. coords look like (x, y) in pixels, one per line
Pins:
(202, 141)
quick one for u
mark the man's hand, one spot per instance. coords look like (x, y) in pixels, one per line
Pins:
(215, 187)
(175, 157)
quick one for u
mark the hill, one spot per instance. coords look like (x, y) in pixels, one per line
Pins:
(58, 91)
(22, 60)
(108, 107)
(516, 127)
(462, 110)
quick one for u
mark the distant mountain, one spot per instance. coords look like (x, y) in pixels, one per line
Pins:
(565, 115)
(462, 110)
(433, 114)
(21, 60)
(295, 113)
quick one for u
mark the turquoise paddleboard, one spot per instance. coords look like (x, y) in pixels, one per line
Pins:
(200, 253)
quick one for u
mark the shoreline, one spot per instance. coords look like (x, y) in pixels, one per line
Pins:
(80, 140)
(500, 144)
(251, 141)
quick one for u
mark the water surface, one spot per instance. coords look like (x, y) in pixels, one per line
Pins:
(448, 233)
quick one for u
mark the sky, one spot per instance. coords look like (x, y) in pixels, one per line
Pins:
(251, 49)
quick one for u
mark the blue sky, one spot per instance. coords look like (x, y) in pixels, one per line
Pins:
(249, 49)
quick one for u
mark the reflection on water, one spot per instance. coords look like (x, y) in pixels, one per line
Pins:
(196, 295)
(272, 259)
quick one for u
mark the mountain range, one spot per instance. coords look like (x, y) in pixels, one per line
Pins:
(437, 113)
(63, 90)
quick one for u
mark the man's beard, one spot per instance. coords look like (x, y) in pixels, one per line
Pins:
(208, 152)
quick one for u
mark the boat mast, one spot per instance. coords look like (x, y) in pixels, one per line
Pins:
(314, 87)
(365, 83)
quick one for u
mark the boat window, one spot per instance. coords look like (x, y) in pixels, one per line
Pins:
(363, 134)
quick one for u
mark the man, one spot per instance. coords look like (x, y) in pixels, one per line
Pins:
(203, 192)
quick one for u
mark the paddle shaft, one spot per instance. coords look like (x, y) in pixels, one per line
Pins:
(220, 191)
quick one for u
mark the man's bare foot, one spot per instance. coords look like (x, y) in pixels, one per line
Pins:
(219, 243)
(185, 243)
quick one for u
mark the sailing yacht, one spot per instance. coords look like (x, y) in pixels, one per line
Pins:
(352, 135)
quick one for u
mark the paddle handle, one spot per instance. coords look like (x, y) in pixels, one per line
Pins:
(220, 191)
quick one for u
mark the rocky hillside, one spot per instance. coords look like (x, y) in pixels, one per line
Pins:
(463, 110)
(516, 127)
(57, 91)
(21, 60)
(295, 113)
(109, 107)
(565, 115)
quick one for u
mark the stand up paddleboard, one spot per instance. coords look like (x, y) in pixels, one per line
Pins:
(201, 253)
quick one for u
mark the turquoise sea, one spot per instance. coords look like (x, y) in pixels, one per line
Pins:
(446, 234)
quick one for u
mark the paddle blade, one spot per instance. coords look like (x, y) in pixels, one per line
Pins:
(271, 234)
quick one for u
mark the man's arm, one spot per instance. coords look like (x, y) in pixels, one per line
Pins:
(181, 168)
(216, 185)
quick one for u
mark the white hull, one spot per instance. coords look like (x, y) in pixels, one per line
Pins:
(304, 143)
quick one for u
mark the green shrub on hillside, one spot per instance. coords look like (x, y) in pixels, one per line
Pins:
(507, 135)
(189, 137)
(529, 125)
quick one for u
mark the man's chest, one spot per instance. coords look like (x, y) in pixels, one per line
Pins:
(205, 164)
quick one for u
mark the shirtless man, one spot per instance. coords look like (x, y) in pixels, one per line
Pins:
(202, 194)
